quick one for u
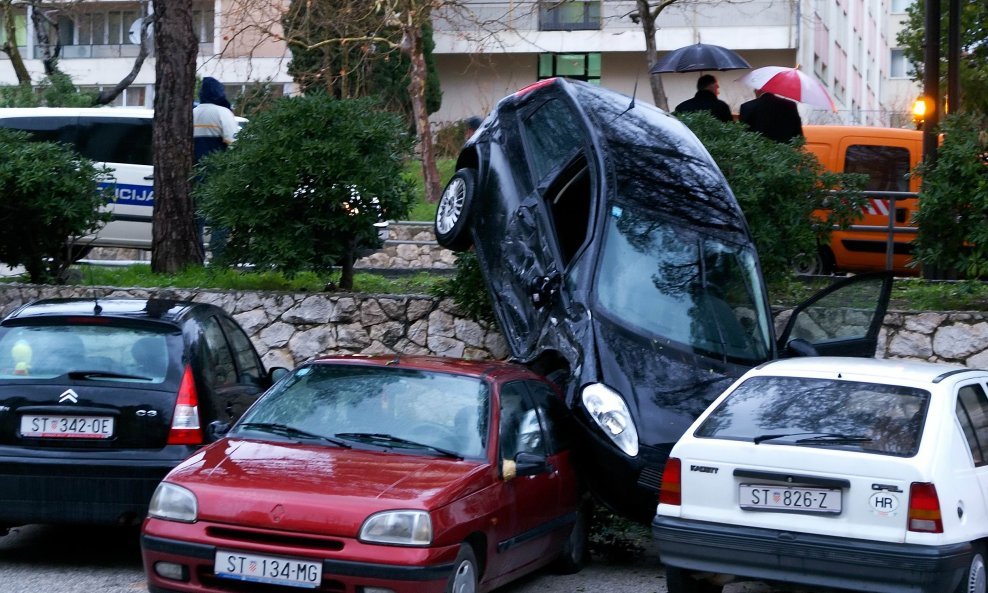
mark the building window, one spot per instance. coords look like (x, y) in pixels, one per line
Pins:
(569, 15)
(132, 96)
(20, 29)
(899, 66)
(899, 6)
(584, 67)
(203, 23)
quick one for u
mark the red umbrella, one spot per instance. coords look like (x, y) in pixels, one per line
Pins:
(790, 83)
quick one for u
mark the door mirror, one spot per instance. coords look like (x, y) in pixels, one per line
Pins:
(524, 464)
(277, 374)
(217, 429)
(800, 347)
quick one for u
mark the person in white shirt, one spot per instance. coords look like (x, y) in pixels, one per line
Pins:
(213, 128)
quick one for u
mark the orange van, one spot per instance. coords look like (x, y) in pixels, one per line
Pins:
(886, 156)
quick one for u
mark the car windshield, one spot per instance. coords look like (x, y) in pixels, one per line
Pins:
(84, 352)
(870, 417)
(683, 286)
(425, 412)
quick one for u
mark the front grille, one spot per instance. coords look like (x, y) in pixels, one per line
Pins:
(260, 536)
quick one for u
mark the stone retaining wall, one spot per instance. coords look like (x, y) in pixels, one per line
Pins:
(288, 328)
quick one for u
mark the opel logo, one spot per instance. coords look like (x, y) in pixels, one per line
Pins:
(68, 396)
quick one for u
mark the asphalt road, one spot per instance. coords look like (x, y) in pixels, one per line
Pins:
(48, 559)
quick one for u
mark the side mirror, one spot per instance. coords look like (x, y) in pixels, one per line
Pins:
(277, 374)
(524, 464)
(216, 430)
(801, 347)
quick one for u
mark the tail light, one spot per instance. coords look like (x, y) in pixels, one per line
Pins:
(185, 428)
(672, 481)
(924, 508)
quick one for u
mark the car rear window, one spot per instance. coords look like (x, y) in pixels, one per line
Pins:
(104, 351)
(874, 417)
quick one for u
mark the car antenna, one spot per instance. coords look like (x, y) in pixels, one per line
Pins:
(97, 308)
(631, 105)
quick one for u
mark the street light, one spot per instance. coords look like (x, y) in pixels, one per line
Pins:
(919, 112)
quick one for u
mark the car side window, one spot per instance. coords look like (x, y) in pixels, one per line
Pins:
(887, 167)
(219, 368)
(45, 129)
(250, 369)
(116, 140)
(552, 135)
(972, 412)
(554, 416)
(520, 428)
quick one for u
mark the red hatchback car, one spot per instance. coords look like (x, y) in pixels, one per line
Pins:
(376, 475)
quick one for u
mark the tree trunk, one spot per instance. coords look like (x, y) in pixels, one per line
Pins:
(346, 265)
(10, 46)
(174, 243)
(651, 55)
(412, 46)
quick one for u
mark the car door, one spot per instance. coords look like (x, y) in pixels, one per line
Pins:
(842, 320)
(530, 499)
(550, 223)
(972, 414)
(230, 370)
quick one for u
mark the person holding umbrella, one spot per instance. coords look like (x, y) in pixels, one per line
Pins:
(705, 99)
(771, 116)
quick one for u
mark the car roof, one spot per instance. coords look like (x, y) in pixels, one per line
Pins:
(76, 111)
(865, 369)
(441, 364)
(152, 309)
(820, 132)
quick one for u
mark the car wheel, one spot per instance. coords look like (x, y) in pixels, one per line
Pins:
(974, 581)
(679, 580)
(820, 263)
(576, 550)
(465, 576)
(453, 211)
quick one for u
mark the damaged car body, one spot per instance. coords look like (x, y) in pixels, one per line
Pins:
(620, 265)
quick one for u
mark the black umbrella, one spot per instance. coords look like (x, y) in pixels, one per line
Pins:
(694, 58)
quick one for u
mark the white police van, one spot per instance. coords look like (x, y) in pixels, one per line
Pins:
(119, 138)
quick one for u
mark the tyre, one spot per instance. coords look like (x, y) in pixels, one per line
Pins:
(465, 574)
(820, 263)
(576, 550)
(679, 580)
(975, 579)
(453, 211)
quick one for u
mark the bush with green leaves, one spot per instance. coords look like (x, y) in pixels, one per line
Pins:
(50, 194)
(790, 200)
(304, 183)
(953, 214)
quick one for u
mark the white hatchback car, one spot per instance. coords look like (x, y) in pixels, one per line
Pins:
(859, 474)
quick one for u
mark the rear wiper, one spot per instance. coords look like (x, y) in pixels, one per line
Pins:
(817, 438)
(105, 375)
(390, 439)
(291, 431)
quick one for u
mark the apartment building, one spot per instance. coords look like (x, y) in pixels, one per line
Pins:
(486, 49)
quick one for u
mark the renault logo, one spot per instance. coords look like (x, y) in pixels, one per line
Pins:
(68, 396)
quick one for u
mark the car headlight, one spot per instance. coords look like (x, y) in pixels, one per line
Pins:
(174, 503)
(408, 528)
(610, 412)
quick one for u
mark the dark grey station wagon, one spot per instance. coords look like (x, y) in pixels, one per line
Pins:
(99, 399)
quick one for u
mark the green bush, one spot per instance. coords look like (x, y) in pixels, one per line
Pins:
(303, 185)
(953, 217)
(50, 194)
(779, 187)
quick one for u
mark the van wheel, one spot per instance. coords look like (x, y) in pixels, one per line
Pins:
(680, 580)
(465, 575)
(453, 210)
(820, 263)
(975, 579)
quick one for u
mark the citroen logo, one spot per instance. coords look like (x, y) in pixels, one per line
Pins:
(68, 396)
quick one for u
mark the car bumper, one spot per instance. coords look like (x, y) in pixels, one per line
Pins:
(78, 489)
(806, 559)
(406, 570)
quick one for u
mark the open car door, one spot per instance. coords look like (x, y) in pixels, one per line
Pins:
(842, 320)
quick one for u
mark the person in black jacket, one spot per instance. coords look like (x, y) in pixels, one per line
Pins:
(772, 116)
(706, 99)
